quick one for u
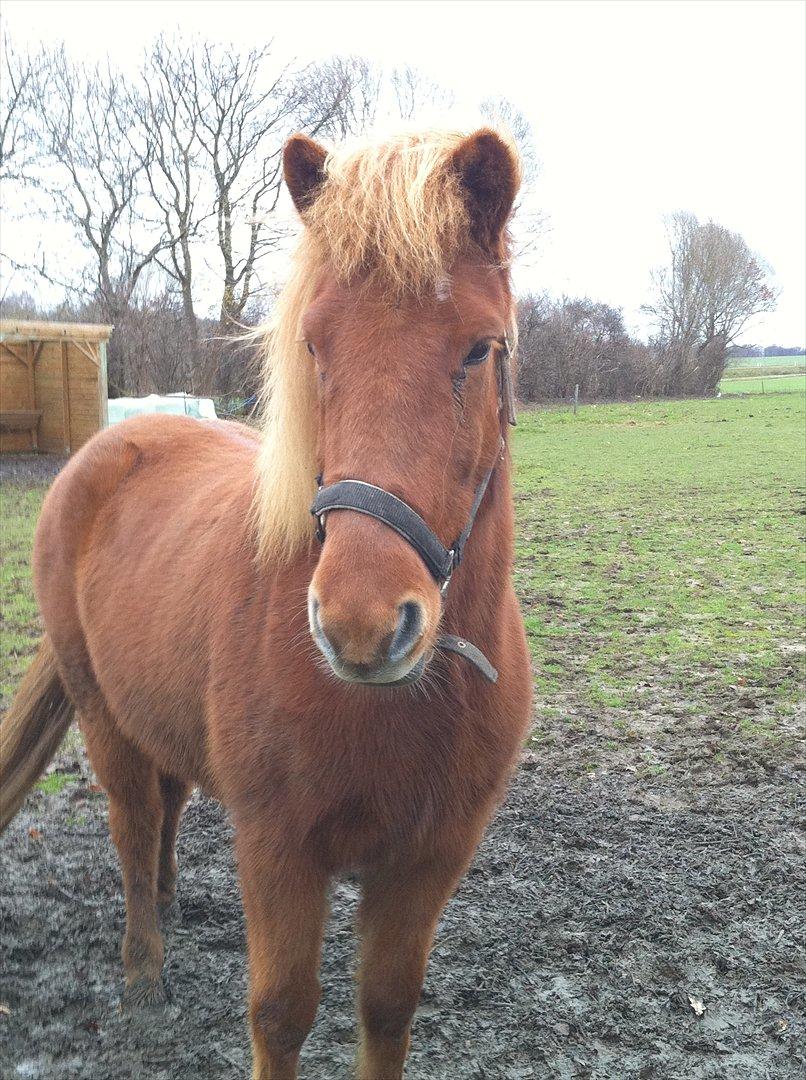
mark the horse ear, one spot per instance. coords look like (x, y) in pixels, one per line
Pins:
(490, 174)
(304, 169)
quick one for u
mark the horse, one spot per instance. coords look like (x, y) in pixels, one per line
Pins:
(352, 684)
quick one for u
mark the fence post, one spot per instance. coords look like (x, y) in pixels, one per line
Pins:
(576, 398)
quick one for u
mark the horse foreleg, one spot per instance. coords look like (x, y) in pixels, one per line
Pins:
(285, 905)
(397, 919)
(175, 794)
(135, 821)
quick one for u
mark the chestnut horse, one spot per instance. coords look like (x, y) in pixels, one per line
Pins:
(326, 685)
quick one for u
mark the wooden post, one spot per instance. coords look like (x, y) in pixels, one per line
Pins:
(576, 398)
(103, 389)
(30, 364)
(66, 398)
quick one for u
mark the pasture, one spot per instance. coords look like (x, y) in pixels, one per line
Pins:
(764, 384)
(634, 911)
(766, 365)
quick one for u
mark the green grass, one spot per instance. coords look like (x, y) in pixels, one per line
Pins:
(660, 560)
(767, 365)
(55, 782)
(20, 627)
(767, 384)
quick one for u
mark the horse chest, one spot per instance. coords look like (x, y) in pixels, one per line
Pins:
(387, 795)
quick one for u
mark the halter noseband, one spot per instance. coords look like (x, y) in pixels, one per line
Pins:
(368, 499)
(382, 505)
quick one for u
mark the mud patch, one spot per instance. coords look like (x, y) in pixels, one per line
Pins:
(605, 930)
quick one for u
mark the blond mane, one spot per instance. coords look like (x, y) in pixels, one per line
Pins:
(393, 212)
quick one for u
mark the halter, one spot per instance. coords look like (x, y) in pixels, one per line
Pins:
(382, 505)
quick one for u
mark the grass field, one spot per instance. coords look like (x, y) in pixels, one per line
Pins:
(764, 384)
(768, 365)
(660, 563)
(660, 567)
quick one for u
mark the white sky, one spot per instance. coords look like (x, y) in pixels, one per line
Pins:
(638, 109)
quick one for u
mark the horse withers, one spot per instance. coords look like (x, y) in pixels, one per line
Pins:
(354, 686)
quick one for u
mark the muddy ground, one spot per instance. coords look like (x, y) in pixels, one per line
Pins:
(611, 927)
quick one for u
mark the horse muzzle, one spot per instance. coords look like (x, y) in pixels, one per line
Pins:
(370, 652)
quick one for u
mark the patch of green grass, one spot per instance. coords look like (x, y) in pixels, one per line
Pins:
(55, 782)
(768, 365)
(660, 557)
(20, 626)
(764, 384)
(763, 726)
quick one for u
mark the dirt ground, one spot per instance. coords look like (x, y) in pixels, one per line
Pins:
(611, 927)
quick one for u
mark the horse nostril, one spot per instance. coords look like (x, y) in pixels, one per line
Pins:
(409, 628)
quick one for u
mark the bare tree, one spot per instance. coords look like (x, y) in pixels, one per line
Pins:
(338, 97)
(735, 283)
(412, 92)
(711, 288)
(364, 94)
(170, 153)
(20, 75)
(159, 355)
(87, 122)
(212, 124)
(245, 112)
(20, 146)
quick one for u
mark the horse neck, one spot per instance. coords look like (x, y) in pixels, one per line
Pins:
(479, 585)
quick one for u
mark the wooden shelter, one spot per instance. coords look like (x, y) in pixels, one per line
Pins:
(52, 385)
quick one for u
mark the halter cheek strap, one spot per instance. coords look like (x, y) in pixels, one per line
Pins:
(506, 389)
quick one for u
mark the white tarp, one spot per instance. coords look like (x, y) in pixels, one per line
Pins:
(174, 404)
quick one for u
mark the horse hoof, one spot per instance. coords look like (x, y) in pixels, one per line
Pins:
(143, 994)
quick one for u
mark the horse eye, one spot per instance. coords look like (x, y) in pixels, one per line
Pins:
(478, 354)
(310, 348)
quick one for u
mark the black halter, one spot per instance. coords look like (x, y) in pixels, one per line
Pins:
(368, 499)
(376, 502)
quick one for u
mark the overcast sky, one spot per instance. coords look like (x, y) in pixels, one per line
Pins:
(638, 109)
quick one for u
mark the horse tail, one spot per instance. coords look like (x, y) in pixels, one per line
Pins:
(32, 730)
